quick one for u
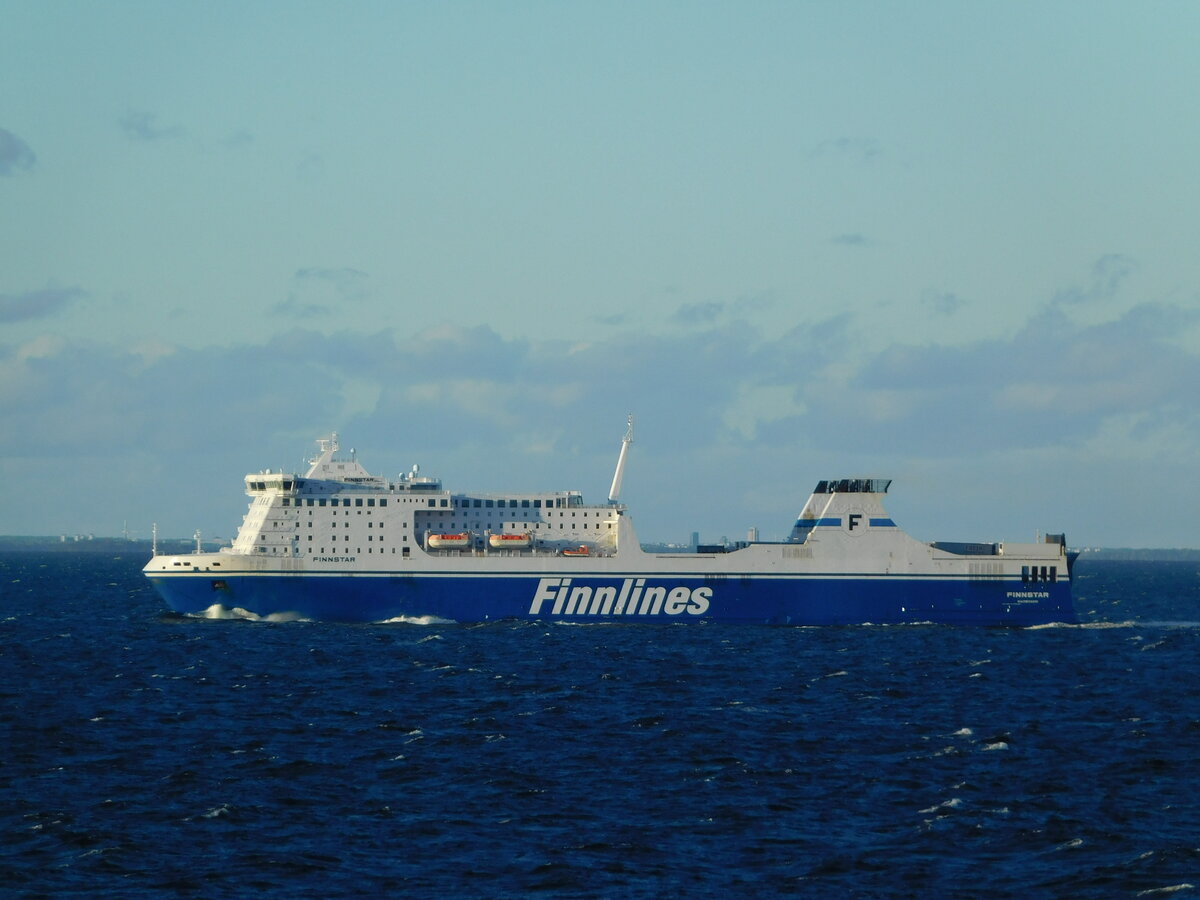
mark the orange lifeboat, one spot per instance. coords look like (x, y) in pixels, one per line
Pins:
(581, 550)
(460, 541)
(520, 541)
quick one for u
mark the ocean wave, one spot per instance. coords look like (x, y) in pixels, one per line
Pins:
(416, 620)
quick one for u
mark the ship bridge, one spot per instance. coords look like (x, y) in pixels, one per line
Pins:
(260, 482)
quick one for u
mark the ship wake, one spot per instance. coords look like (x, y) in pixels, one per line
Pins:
(220, 611)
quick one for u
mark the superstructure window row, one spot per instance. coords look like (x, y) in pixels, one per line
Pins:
(480, 503)
(358, 501)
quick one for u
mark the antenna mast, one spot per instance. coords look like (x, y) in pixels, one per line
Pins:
(615, 491)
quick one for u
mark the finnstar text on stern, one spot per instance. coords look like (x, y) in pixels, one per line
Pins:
(339, 544)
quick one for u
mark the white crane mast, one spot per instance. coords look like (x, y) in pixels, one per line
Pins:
(615, 491)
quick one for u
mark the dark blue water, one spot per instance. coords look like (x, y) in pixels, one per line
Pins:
(144, 754)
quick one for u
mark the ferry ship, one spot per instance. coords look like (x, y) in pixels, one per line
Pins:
(339, 544)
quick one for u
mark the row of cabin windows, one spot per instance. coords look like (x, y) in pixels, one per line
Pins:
(358, 501)
(370, 537)
(467, 503)
(561, 514)
(476, 524)
(334, 524)
(404, 551)
(433, 502)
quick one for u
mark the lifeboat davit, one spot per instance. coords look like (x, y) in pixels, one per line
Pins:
(520, 541)
(459, 541)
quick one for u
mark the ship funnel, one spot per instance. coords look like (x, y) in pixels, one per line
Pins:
(615, 491)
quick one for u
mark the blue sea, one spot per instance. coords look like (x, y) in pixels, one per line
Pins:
(146, 754)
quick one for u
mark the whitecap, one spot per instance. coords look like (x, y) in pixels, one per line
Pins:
(952, 803)
(416, 620)
(1087, 626)
(1170, 889)
(999, 745)
(284, 617)
(568, 623)
(1071, 844)
(945, 751)
(963, 732)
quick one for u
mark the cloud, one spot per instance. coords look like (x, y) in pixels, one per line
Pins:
(943, 303)
(850, 240)
(317, 291)
(1108, 274)
(240, 138)
(1053, 384)
(295, 308)
(143, 126)
(82, 397)
(36, 304)
(15, 154)
(311, 168)
(698, 313)
(855, 149)
(350, 284)
(723, 406)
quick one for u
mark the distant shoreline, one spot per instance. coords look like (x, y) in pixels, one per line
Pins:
(92, 544)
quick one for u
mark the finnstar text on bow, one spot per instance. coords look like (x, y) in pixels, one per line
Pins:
(339, 544)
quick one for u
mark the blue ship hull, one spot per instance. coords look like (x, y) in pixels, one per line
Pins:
(733, 599)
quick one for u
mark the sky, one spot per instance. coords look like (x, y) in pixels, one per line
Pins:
(953, 244)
